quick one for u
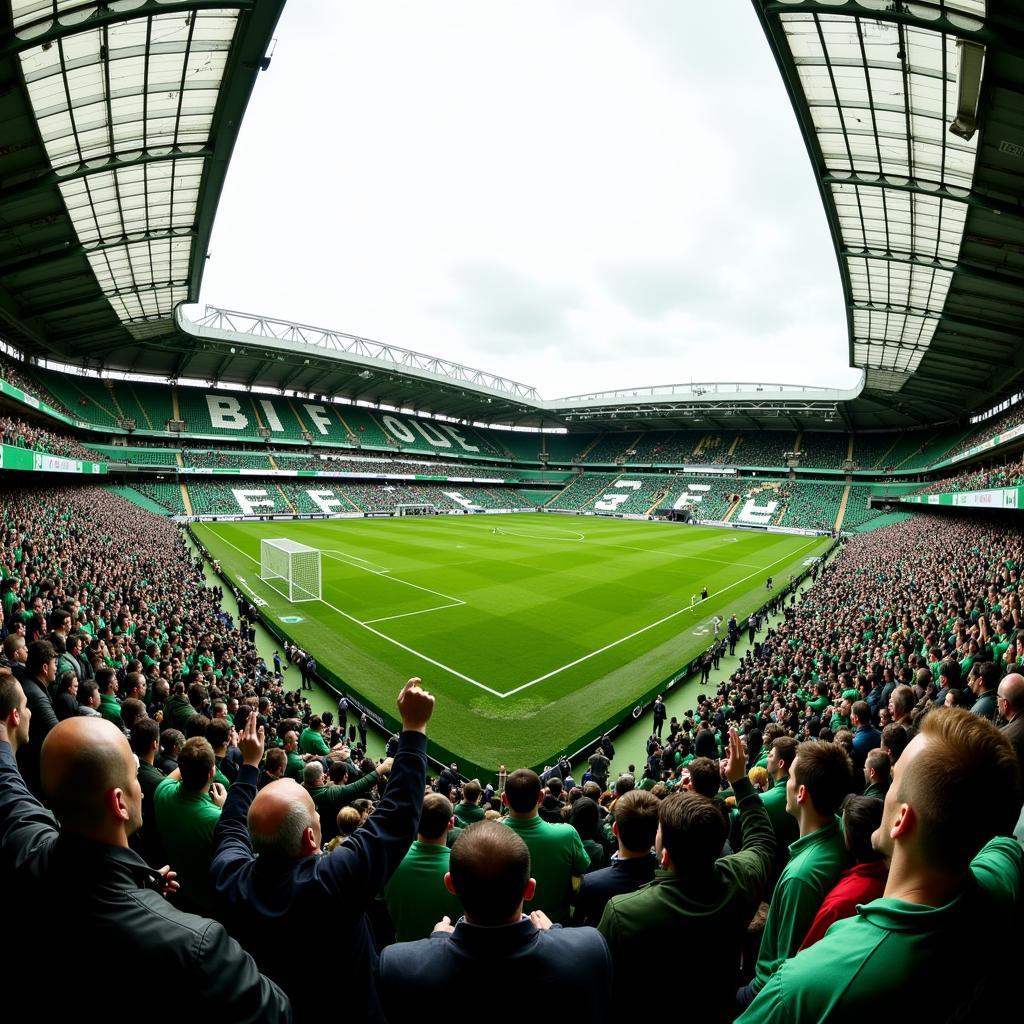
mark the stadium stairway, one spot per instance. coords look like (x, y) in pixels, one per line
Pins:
(841, 515)
(582, 456)
(137, 498)
(732, 509)
(185, 499)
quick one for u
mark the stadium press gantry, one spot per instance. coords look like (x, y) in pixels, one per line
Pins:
(119, 121)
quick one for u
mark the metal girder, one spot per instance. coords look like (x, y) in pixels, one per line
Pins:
(1007, 38)
(105, 15)
(50, 179)
(961, 267)
(933, 190)
(988, 326)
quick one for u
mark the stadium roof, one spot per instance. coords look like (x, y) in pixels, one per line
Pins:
(121, 118)
(926, 214)
(118, 120)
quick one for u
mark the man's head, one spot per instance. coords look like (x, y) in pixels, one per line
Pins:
(691, 833)
(291, 741)
(171, 742)
(283, 821)
(877, 767)
(956, 786)
(276, 763)
(636, 820)
(145, 738)
(901, 702)
(15, 649)
(313, 775)
(14, 710)
(41, 663)
(780, 757)
(435, 818)
(705, 776)
(90, 780)
(522, 792)
(489, 872)
(820, 778)
(197, 764)
(1010, 696)
(860, 713)
(894, 741)
(471, 792)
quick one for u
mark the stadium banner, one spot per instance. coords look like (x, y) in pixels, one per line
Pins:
(12, 457)
(10, 391)
(1001, 497)
(993, 442)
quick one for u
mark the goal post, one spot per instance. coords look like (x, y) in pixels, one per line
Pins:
(416, 509)
(292, 569)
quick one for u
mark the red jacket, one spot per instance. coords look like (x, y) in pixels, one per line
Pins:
(860, 884)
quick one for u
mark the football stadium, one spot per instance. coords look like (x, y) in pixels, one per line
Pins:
(726, 664)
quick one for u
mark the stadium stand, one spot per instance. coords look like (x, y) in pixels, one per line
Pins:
(222, 459)
(583, 491)
(1010, 474)
(809, 505)
(1013, 417)
(707, 497)
(610, 449)
(22, 434)
(759, 449)
(21, 377)
(858, 513)
(165, 496)
(824, 451)
(137, 456)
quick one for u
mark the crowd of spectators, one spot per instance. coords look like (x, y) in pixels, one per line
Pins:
(21, 434)
(1011, 474)
(817, 832)
(1013, 417)
(15, 375)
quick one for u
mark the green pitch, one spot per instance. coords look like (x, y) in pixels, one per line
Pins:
(532, 630)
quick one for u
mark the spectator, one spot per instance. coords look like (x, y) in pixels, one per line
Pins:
(468, 810)
(584, 817)
(820, 778)
(877, 774)
(1011, 707)
(784, 825)
(599, 765)
(88, 775)
(865, 880)
(985, 686)
(634, 829)
(955, 795)
(698, 901)
(865, 737)
(416, 895)
(40, 673)
(188, 804)
(557, 854)
(490, 875)
(298, 889)
(330, 799)
(145, 742)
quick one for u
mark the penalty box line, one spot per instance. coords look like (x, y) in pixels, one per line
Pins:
(667, 618)
(377, 632)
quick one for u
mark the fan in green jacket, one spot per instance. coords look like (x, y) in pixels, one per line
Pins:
(330, 799)
(698, 900)
(820, 777)
(955, 789)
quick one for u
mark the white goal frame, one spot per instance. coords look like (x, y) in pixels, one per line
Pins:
(416, 508)
(291, 568)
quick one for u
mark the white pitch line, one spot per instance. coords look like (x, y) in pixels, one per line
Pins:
(386, 573)
(639, 632)
(405, 615)
(376, 632)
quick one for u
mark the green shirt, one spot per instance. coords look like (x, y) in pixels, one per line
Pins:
(468, 814)
(110, 709)
(416, 895)
(330, 799)
(186, 822)
(312, 742)
(684, 911)
(293, 769)
(815, 863)
(866, 962)
(784, 825)
(556, 854)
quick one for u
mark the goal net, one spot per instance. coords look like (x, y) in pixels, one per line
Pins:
(414, 509)
(292, 569)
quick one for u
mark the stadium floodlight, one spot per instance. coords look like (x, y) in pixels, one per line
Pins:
(291, 568)
(968, 88)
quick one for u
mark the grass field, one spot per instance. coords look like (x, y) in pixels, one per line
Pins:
(531, 636)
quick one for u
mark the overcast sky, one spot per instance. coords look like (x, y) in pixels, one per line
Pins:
(579, 196)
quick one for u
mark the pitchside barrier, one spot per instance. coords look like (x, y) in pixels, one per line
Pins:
(440, 755)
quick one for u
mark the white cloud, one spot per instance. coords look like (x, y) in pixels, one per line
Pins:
(581, 197)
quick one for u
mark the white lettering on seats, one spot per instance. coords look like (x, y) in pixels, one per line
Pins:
(270, 415)
(318, 414)
(438, 440)
(611, 501)
(456, 436)
(226, 413)
(760, 515)
(692, 495)
(399, 429)
(326, 501)
(251, 501)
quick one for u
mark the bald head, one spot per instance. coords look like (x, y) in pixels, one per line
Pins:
(90, 780)
(1011, 689)
(283, 821)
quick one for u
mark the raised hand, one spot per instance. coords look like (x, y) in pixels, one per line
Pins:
(250, 743)
(736, 759)
(415, 705)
